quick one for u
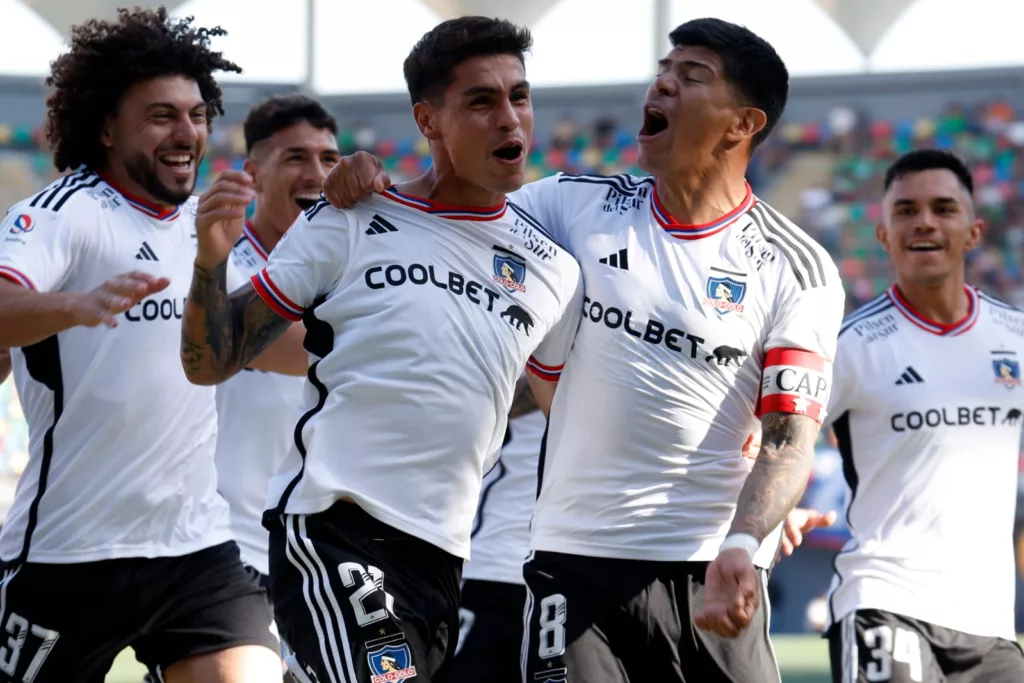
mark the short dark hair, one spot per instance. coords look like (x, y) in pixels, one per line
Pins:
(930, 160)
(752, 67)
(430, 67)
(106, 59)
(284, 111)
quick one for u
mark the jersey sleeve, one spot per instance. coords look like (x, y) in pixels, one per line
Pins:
(36, 248)
(307, 262)
(544, 201)
(801, 345)
(549, 357)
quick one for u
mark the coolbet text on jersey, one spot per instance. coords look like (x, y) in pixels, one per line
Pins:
(121, 445)
(420, 317)
(688, 334)
(256, 413)
(930, 439)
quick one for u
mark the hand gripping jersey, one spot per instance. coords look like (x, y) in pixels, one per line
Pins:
(684, 328)
(256, 424)
(501, 532)
(928, 419)
(420, 318)
(120, 443)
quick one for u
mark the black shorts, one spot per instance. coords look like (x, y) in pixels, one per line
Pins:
(596, 620)
(71, 620)
(361, 602)
(875, 646)
(490, 633)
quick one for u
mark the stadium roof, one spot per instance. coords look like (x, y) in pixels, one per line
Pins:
(359, 46)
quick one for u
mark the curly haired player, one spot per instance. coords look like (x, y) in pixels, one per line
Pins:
(118, 536)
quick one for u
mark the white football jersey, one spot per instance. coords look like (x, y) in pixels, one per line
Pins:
(256, 413)
(688, 334)
(420, 318)
(928, 419)
(121, 444)
(501, 531)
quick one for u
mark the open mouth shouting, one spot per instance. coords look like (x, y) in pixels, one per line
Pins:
(924, 246)
(510, 153)
(655, 123)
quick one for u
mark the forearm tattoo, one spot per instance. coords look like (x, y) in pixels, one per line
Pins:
(779, 475)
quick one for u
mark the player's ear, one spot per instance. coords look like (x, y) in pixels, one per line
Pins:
(882, 235)
(974, 233)
(107, 132)
(749, 121)
(426, 117)
(252, 168)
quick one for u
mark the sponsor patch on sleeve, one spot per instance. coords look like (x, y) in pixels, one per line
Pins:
(795, 381)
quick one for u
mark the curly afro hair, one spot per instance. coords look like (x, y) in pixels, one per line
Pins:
(109, 57)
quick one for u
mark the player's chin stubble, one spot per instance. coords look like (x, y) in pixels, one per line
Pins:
(142, 170)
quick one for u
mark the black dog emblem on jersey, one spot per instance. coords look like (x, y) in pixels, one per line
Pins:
(1012, 417)
(723, 355)
(518, 318)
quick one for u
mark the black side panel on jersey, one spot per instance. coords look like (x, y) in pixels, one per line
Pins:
(482, 507)
(319, 341)
(841, 427)
(42, 360)
(540, 459)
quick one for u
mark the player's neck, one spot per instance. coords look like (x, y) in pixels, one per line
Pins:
(700, 198)
(444, 187)
(266, 230)
(122, 182)
(945, 303)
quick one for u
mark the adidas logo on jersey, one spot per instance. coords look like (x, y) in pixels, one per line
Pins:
(909, 376)
(617, 260)
(146, 253)
(379, 226)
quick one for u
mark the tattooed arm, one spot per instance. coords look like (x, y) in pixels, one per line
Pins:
(222, 333)
(779, 475)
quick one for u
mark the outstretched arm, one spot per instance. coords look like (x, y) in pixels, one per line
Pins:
(222, 333)
(779, 475)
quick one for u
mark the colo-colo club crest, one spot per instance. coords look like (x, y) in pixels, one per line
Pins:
(509, 269)
(724, 294)
(1006, 368)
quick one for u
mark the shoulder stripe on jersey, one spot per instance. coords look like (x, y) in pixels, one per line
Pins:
(802, 243)
(611, 181)
(855, 319)
(867, 309)
(997, 302)
(54, 196)
(312, 211)
(519, 211)
(782, 224)
(797, 261)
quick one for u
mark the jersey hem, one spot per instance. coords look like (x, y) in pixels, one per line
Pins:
(150, 551)
(621, 552)
(494, 575)
(922, 615)
(460, 550)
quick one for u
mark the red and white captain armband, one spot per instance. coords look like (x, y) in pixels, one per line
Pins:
(795, 381)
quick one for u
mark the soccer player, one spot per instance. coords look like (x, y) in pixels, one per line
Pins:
(705, 309)
(290, 144)
(117, 535)
(422, 307)
(926, 407)
(493, 592)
